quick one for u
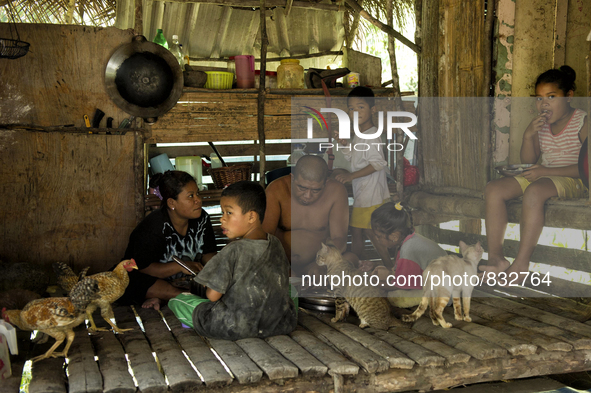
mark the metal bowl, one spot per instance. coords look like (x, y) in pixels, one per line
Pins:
(512, 170)
(144, 79)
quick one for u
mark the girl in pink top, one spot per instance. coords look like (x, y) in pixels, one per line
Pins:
(555, 136)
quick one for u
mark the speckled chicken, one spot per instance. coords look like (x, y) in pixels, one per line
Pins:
(112, 285)
(56, 316)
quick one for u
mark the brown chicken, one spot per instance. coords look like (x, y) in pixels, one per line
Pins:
(111, 284)
(55, 316)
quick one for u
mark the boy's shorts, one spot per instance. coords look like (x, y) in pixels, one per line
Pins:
(361, 216)
(567, 187)
(183, 305)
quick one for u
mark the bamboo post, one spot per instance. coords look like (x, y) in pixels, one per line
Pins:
(138, 28)
(288, 4)
(262, 94)
(353, 30)
(385, 28)
(397, 101)
(589, 111)
(486, 107)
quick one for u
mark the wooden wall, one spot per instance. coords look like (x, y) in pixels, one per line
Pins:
(451, 139)
(231, 115)
(67, 196)
(61, 78)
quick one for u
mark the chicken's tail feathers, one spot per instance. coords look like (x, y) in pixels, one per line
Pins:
(82, 274)
(62, 269)
(84, 292)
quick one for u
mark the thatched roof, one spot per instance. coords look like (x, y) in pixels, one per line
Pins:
(85, 12)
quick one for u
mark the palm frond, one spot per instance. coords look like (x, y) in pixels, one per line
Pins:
(86, 12)
(402, 9)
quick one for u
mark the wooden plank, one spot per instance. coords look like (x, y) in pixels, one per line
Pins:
(498, 318)
(243, 369)
(367, 359)
(420, 355)
(308, 364)
(472, 345)
(111, 359)
(538, 315)
(336, 362)
(542, 341)
(48, 376)
(225, 150)
(395, 358)
(83, 371)
(268, 359)
(556, 215)
(181, 376)
(576, 340)
(507, 368)
(568, 257)
(139, 352)
(563, 307)
(112, 363)
(68, 79)
(451, 355)
(207, 364)
(59, 174)
(513, 346)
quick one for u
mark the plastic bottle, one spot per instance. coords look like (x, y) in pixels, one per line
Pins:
(215, 161)
(175, 49)
(290, 75)
(160, 40)
(298, 152)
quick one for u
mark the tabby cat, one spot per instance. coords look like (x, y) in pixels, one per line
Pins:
(372, 308)
(438, 297)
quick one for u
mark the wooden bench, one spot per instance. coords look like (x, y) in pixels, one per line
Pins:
(506, 340)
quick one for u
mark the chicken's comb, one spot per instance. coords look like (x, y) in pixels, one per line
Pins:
(133, 260)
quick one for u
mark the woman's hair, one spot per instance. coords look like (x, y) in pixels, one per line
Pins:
(171, 184)
(564, 77)
(392, 217)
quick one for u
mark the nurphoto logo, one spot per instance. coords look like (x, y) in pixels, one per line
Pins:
(345, 128)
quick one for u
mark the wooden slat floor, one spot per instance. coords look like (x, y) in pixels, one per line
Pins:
(507, 339)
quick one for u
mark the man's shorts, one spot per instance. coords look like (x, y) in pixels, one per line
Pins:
(361, 216)
(567, 187)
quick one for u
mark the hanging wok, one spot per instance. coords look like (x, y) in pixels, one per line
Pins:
(144, 79)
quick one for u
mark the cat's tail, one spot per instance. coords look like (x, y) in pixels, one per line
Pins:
(418, 312)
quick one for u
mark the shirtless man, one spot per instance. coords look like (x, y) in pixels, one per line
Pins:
(304, 210)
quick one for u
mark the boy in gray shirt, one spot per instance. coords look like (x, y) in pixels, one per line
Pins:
(247, 281)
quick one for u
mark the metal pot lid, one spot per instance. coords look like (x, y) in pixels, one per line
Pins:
(144, 79)
(323, 301)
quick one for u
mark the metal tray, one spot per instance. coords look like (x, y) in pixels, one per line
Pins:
(512, 170)
(322, 301)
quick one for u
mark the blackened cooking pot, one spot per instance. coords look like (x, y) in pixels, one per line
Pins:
(144, 79)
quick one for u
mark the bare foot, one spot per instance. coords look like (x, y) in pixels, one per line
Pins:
(152, 303)
(495, 264)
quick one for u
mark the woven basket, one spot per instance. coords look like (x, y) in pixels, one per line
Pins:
(227, 175)
(13, 49)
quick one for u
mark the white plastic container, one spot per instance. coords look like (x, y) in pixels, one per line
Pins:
(7, 340)
(193, 166)
(161, 164)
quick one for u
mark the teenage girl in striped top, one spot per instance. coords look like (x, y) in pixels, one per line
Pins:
(556, 135)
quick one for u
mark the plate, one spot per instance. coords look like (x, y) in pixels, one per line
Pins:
(513, 170)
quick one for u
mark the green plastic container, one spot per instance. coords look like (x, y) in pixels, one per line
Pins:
(160, 40)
